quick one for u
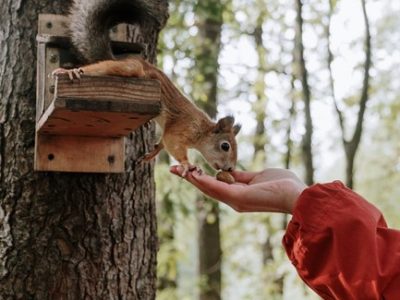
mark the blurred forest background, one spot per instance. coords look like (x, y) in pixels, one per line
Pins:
(316, 87)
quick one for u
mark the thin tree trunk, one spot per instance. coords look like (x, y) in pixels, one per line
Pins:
(259, 106)
(289, 143)
(66, 236)
(303, 75)
(206, 56)
(351, 145)
(210, 254)
(273, 283)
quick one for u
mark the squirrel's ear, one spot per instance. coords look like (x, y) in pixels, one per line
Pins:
(236, 128)
(224, 124)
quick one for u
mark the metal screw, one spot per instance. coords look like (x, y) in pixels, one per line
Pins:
(111, 159)
(49, 25)
(50, 156)
(53, 58)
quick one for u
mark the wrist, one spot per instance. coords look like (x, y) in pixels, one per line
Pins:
(296, 190)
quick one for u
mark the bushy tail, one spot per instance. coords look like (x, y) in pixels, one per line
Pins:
(91, 21)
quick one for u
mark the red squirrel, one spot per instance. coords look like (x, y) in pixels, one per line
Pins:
(184, 125)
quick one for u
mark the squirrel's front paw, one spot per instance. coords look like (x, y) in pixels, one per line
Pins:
(189, 168)
(77, 72)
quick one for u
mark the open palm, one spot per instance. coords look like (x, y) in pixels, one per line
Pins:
(271, 190)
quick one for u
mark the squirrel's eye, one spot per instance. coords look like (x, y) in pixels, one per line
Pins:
(225, 146)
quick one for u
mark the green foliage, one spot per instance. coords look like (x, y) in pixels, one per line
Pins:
(254, 83)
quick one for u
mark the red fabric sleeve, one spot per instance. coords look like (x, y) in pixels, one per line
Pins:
(341, 246)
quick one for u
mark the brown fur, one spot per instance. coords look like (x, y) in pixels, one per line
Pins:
(91, 20)
(184, 125)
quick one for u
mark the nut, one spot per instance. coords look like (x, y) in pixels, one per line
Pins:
(225, 177)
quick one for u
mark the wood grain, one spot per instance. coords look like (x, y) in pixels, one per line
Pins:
(100, 106)
(82, 130)
(79, 154)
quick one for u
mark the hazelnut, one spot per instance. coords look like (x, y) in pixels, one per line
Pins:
(225, 177)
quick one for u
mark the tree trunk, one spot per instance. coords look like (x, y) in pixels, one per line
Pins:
(303, 75)
(209, 20)
(259, 107)
(351, 146)
(210, 254)
(67, 236)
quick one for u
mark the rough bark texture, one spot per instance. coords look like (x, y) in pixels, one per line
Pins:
(351, 145)
(209, 19)
(303, 75)
(66, 236)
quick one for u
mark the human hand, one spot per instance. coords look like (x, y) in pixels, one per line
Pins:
(271, 190)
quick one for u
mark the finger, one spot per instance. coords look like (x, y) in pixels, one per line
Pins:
(207, 184)
(244, 176)
(214, 188)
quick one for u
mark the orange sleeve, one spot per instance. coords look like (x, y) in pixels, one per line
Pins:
(341, 246)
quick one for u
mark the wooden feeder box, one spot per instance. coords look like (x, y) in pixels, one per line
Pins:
(81, 125)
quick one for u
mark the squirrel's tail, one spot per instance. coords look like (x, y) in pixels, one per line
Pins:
(91, 20)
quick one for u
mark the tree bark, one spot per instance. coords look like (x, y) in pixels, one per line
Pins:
(209, 20)
(67, 236)
(303, 75)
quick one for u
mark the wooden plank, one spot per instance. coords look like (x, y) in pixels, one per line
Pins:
(40, 80)
(143, 91)
(53, 24)
(100, 106)
(79, 154)
(118, 46)
(62, 121)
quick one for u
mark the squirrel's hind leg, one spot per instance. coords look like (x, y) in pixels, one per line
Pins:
(129, 67)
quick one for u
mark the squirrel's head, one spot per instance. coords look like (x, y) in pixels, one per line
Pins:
(219, 147)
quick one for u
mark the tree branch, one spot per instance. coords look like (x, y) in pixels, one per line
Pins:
(365, 88)
(331, 81)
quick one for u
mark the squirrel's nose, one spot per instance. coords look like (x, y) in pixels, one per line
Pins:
(227, 168)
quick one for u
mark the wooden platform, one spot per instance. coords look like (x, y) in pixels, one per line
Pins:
(81, 124)
(83, 128)
(100, 106)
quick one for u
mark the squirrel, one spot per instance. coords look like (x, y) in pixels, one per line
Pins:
(183, 124)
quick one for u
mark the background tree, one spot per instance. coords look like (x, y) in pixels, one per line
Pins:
(67, 236)
(350, 145)
(302, 75)
(377, 157)
(209, 23)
